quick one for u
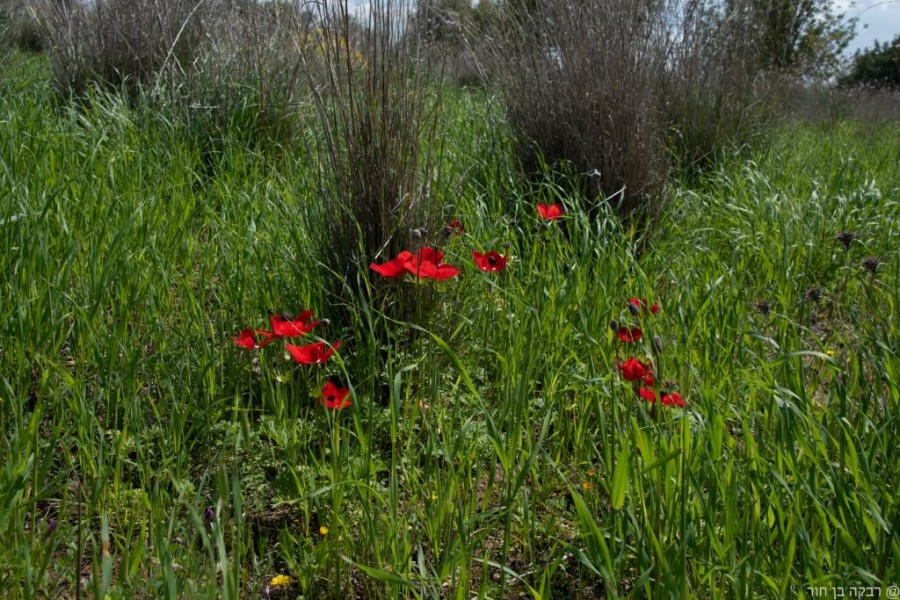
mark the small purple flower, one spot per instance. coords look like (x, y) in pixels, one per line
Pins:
(51, 526)
(209, 516)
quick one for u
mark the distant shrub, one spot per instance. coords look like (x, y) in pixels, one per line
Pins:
(246, 78)
(619, 92)
(455, 38)
(829, 104)
(581, 82)
(25, 33)
(227, 69)
(118, 43)
(714, 94)
(19, 26)
(876, 67)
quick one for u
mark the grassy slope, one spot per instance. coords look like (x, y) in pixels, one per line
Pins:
(126, 411)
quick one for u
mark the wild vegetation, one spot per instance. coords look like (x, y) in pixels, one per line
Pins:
(315, 321)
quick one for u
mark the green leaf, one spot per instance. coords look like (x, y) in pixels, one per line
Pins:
(620, 478)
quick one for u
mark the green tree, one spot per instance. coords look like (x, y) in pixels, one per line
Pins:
(876, 67)
(798, 37)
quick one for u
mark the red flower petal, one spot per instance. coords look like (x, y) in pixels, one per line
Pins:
(443, 272)
(253, 339)
(630, 335)
(633, 369)
(420, 268)
(550, 212)
(673, 399)
(489, 261)
(312, 354)
(427, 265)
(456, 227)
(286, 327)
(430, 255)
(334, 397)
(396, 267)
(648, 395)
(641, 304)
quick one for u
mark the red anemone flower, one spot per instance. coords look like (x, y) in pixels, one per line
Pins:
(648, 379)
(285, 326)
(426, 264)
(641, 305)
(396, 267)
(648, 395)
(334, 397)
(455, 227)
(489, 261)
(427, 270)
(253, 339)
(316, 353)
(629, 335)
(673, 399)
(550, 212)
(633, 369)
(428, 254)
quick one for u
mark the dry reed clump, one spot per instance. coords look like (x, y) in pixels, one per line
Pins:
(222, 68)
(377, 154)
(617, 92)
(19, 27)
(714, 93)
(246, 80)
(118, 43)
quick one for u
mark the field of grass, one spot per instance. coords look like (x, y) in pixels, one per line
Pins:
(493, 448)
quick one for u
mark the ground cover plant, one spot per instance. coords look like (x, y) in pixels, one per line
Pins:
(570, 409)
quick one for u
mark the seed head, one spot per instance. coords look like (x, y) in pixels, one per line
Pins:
(813, 294)
(614, 325)
(871, 264)
(658, 343)
(847, 237)
(763, 306)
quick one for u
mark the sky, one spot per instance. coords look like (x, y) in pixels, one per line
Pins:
(878, 20)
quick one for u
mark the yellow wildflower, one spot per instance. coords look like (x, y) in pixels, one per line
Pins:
(279, 580)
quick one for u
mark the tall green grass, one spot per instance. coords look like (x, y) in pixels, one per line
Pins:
(510, 458)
